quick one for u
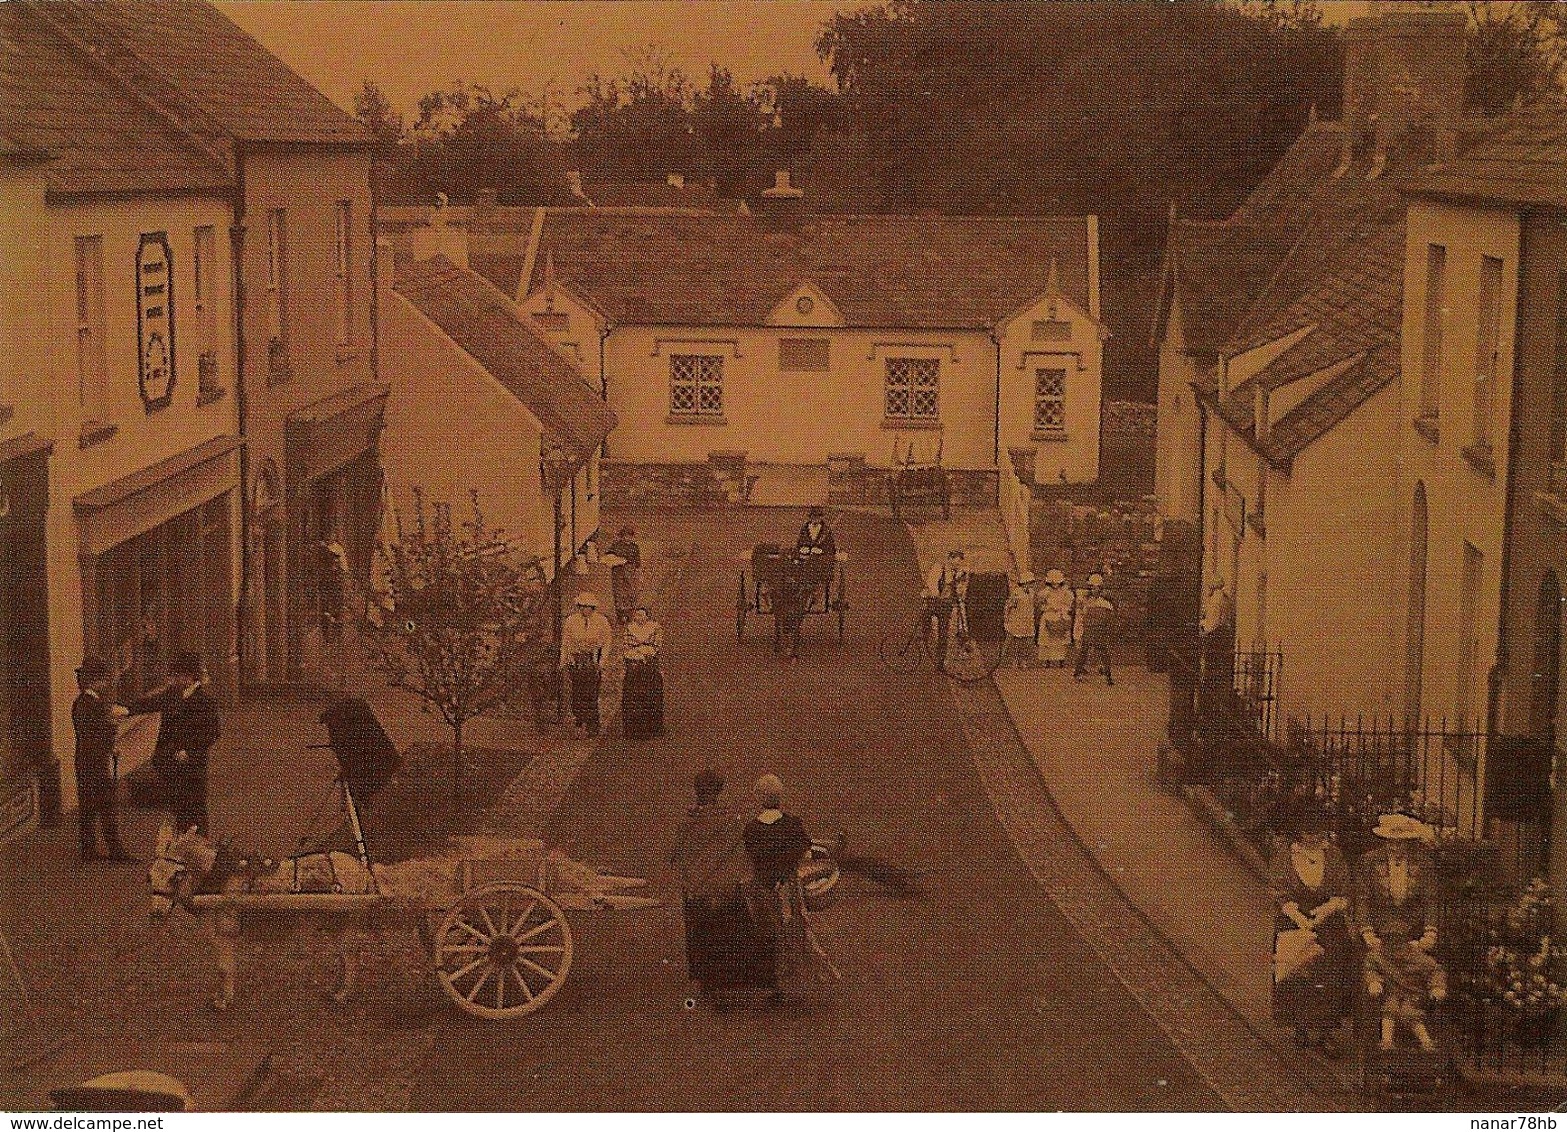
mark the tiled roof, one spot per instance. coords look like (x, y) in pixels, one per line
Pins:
(653, 194)
(54, 97)
(1218, 270)
(1521, 158)
(484, 322)
(210, 70)
(713, 269)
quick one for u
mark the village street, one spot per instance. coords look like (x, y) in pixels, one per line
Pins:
(978, 995)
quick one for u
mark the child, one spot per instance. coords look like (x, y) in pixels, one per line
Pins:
(1019, 620)
(1402, 974)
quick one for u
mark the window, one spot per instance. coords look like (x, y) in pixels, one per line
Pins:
(1436, 304)
(343, 265)
(803, 354)
(1559, 382)
(91, 373)
(204, 260)
(1051, 330)
(277, 275)
(696, 385)
(1050, 401)
(913, 388)
(1487, 347)
(1464, 705)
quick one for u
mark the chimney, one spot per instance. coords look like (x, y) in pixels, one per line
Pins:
(675, 180)
(484, 202)
(783, 205)
(440, 238)
(1403, 77)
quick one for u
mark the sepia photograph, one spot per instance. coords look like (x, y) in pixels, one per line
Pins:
(782, 556)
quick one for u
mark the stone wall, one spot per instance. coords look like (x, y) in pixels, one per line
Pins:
(1118, 539)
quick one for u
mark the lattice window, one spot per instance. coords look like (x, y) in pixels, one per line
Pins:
(804, 354)
(1050, 400)
(913, 388)
(696, 385)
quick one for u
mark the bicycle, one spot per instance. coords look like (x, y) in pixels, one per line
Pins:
(969, 660)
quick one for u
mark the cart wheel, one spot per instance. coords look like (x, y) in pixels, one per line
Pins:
(740, 610)
(970, 661)
(503, 950)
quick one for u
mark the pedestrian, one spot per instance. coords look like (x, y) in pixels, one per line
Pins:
(791, 594)
(776, 842)
(1056, 607)
(584, 644)
(1395, 897)
(946, 590)
(642, 689)
(624, 558)
(1020, 620)
(1312, 950)
(187, 729)
(1093, 628)
(722, 952)
(97, 767)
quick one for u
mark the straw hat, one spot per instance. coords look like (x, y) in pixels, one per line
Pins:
(1401, 827)
(1055, 578)
(1026, 578)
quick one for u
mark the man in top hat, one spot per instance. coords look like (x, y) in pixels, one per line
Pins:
(187, 729)
(1095, 623)
(584, 647)
(1395, 893)
(946, 588)
(94, 718)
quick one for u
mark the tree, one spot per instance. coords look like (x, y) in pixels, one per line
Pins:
(637, 127)
(1516, 53)
(729, 125)
(374, 110)
(461, 622)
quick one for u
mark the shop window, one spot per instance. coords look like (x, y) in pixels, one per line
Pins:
(913, 389)
(1050, 401)
(696, 385)
(91, 365)
(342, 265)
(807, 355)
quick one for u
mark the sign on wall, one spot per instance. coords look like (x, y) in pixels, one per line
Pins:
(155, 319)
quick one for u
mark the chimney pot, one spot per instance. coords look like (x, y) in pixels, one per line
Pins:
(782, 189)
(1403, 68)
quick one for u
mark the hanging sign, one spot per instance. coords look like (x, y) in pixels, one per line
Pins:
(155, 319)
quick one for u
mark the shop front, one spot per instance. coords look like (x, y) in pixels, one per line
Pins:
(157, 568)
(29, 778)
(333, 512)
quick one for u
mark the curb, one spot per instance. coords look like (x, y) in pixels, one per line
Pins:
(1286, 1050)
(1216, 818)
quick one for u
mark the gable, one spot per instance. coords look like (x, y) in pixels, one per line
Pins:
(806, 305)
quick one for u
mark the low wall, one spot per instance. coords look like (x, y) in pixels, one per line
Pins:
(724, 480)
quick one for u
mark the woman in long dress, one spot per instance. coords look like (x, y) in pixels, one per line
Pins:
(1312, 966)
(776, 842)
(1055, 622)
(642, 691)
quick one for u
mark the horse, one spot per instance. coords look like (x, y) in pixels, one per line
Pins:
(189, 864)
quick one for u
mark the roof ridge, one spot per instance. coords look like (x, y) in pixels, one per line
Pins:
(96, 60)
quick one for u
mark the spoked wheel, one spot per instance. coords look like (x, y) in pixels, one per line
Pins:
(741, 607)
(503, 950)
(969, 661)
(901, 652)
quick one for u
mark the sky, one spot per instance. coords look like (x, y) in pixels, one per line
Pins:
(410, 48)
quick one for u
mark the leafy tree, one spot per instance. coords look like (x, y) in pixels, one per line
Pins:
(460, 620)
(385, 124)
(637, 127)
(729, 126)
(1516, 53)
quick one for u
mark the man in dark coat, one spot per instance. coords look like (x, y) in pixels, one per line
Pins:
(186, 733)
(817, 547)
(93, 716)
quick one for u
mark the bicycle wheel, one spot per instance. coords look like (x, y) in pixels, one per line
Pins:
(969, 661)
(901, 652)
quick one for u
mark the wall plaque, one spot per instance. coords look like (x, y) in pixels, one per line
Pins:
(155, 319)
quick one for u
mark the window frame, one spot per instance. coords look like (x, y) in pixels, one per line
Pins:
(706, 371)
(92, 363)
(343, 269)
(1052, 431)
(1488, 348)
(908, 386)
(1432, 344)
(277, 276)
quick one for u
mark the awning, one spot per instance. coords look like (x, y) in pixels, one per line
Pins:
(331, 432)
(143, 500)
